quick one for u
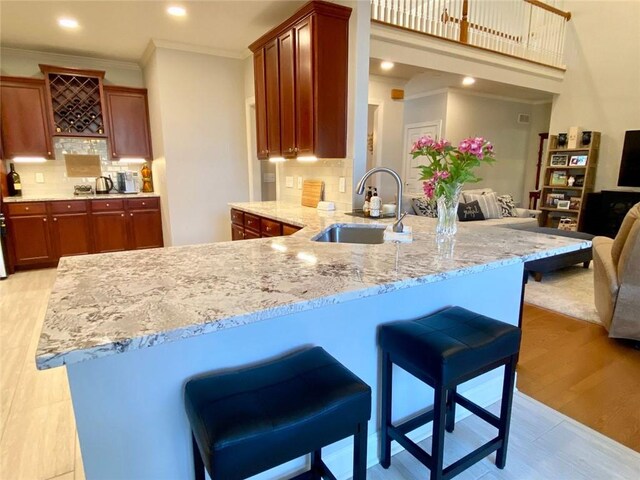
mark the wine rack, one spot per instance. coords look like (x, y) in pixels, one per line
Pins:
(76, 103)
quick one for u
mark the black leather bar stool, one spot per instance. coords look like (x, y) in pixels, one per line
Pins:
(249, 420)
(444, 350)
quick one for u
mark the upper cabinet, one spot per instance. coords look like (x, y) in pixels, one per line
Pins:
(23, 117)
(301, 84)
(128, 114)
(75, 97)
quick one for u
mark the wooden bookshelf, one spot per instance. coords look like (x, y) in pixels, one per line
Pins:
(569, 176)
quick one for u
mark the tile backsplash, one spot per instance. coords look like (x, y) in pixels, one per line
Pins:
(327, 170)
(56, 181)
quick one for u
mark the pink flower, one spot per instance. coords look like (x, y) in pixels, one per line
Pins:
(464, 146)
(440, 176)
(429, 188)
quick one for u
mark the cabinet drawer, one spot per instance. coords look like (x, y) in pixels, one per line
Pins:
(237, 217)
(289, 229)
(252, 222)
(248, 235)
(143, 204)
(77, 206)
(27, 208)
(271, 228)
(107, 205)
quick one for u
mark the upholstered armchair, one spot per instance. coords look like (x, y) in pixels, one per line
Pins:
(616, 268)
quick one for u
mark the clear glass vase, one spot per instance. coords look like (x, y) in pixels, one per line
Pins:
(448, 213)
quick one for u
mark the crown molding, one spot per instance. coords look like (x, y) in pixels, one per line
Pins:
(155, 43)
(430, 93)
(63, 58)
(503, 98)
(397, 81)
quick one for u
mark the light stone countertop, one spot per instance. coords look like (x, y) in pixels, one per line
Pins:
(112, 303)
(71, 196)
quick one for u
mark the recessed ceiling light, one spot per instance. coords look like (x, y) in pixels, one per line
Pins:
(386, 65)
(68, 22)
(468, 81)
(177, 11)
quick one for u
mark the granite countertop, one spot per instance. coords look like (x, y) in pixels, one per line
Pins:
(71, 196)
(108, 304)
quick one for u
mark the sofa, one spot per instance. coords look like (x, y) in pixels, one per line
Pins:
(616, 275)
(523, 220)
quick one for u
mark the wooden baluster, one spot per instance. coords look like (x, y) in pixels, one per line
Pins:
(464, 23)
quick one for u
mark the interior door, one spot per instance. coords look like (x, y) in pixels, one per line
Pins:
(413, 131)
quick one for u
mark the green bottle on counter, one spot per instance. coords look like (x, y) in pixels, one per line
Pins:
(14, 185)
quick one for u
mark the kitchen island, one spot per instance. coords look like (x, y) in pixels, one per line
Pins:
(133, 334)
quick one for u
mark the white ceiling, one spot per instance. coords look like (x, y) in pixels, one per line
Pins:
(424, 79)
(122, 30)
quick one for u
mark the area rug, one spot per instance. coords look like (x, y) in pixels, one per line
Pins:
(568, 291)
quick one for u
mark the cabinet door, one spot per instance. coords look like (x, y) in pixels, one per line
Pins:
(24, 118)
(261, 105)
(305, 119)
(71, 234)
(287, 93)
(128, 117)
(272, 83)
(30, 239)
(146, 229)
(249, 234)
(237, 232)
(109, 231)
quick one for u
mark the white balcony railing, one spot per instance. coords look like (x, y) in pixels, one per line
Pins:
(527, 29)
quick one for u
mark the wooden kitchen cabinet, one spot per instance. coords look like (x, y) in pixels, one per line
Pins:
(248, 225)
(304, 80)
(145, 223)
(70, 228)
(262, 142)
(42, 232)
(128, 118)
(23, 118)
(272, 94)
(28, 231)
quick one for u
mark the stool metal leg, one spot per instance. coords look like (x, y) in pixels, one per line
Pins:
(451, 409)
(360, 453)
(385, 411)
(198, 464)
(316, 465)
(437, 439)
(505, 409)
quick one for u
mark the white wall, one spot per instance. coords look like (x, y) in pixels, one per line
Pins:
(601, 90)
(496, 120)
(198, 110)
(389, 134)
(24, 63)
(540, 118)
(425, 109)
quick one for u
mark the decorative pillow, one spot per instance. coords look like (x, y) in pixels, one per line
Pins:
(488, 204)
(507, 206)
(425, 207)
(470, 211)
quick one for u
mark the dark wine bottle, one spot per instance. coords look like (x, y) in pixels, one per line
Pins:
(13, 182)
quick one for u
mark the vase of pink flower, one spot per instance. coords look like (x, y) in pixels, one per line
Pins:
(448, 170)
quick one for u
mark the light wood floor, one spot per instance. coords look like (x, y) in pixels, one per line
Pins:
(575, 368)
(38, 439)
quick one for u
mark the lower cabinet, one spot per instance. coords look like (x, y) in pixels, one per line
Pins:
(39, 233)
(245, 226)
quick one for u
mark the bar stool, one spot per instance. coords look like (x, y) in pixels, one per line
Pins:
(444, 350)
(249, 420)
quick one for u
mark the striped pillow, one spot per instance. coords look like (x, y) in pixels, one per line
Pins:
(488, 204)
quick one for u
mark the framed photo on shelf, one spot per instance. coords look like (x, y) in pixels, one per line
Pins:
(559, 160)
(568, 224)
(553, 199)
(563, 204)
(579, 181)
(578, 160)
(558, 178)
(574, 203)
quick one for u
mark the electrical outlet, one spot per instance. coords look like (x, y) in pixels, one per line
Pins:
(288, 181)
(342, 185)
(39, 177)
(299, 183)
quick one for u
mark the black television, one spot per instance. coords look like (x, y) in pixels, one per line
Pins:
(630, 166)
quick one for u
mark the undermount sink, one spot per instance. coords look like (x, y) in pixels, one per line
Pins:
(367, 234)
